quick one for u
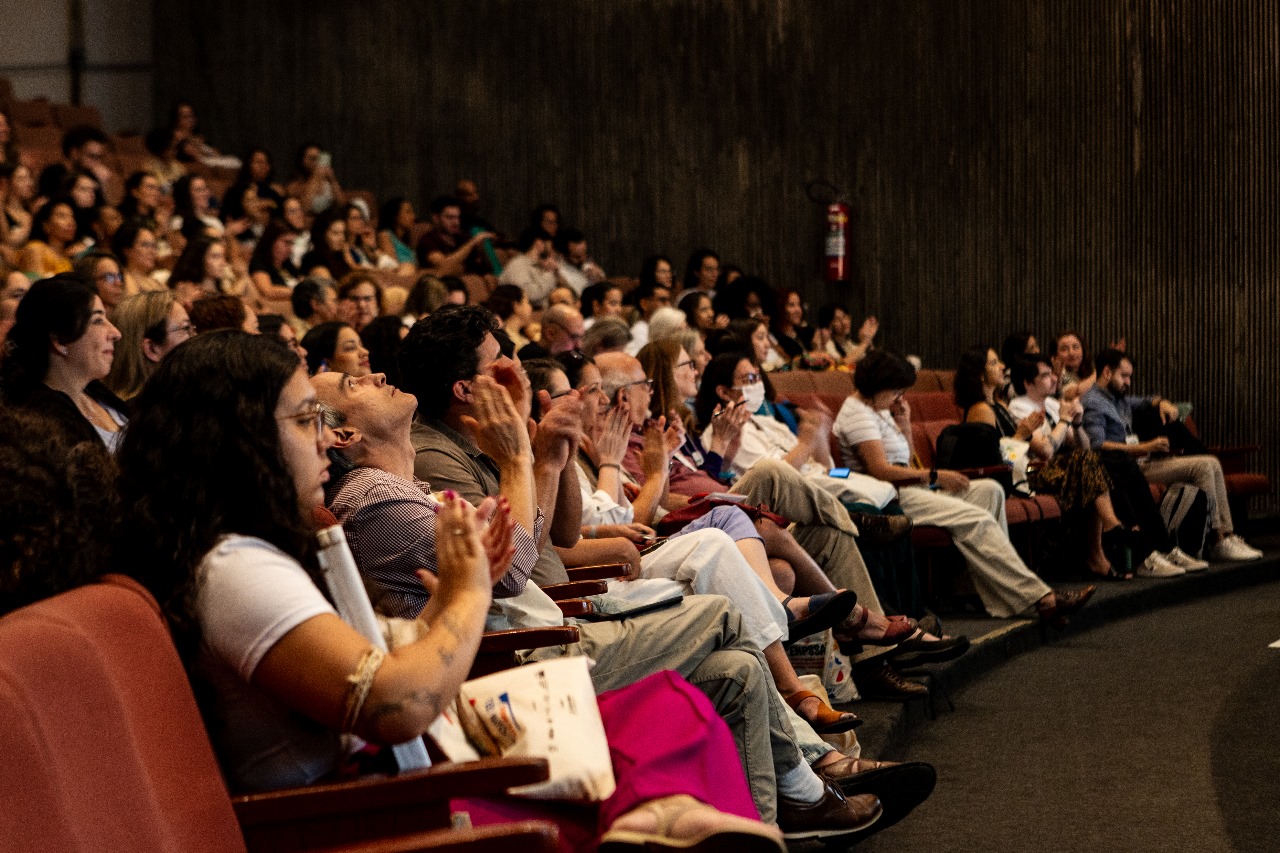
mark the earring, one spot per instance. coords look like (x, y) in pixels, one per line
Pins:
(62, 350)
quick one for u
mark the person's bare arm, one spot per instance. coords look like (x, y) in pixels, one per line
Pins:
(555, 441)
(453, 263)
(501, 434)
(267, 290)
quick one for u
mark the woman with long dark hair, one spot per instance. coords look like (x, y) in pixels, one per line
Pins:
(230, 554)
(60, 349)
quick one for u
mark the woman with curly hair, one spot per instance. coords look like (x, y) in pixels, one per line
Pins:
(229, 552)
(57, 508)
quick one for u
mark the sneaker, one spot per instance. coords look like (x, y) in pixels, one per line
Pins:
(1181, 558)
(1233, 549)
(1158, 566)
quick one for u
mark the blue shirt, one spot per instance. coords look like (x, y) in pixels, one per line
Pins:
(1107, 418)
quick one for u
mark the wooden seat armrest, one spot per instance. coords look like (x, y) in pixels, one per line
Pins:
(502, 642)
(373, 807)
(607, 571)
(575, 607)
(528, 836)
(574, 589)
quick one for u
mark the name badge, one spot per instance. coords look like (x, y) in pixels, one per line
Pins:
(1130, 439)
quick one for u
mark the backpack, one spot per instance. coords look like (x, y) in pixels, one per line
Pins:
(1185, 510)
(975, 445)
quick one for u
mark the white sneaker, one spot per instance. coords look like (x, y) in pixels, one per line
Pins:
(1233, 549)
(1181, 558)
(1158, 566)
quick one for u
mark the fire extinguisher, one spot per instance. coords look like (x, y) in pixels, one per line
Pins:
(836, 244)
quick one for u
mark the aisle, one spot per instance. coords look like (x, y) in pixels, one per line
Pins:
(1158, 732)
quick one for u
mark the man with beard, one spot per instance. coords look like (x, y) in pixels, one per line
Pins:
(1109, 421)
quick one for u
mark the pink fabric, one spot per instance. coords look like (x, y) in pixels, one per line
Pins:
(665, 738)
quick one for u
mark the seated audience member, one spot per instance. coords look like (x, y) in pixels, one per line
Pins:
(751, 335)
(576, 266)
(873, 428)
(151, 325)
(362, 243)
(58, 508)
(329, 249)
(513, 308)
(1071, 363)
(1109, 414)
(546, 218)
(793, 337)
(719, 553)
(186, 131)
(106, 223)
(648, 297)
(336, 348)
(1074, 476)
(53, 231)
(136, 247)
(17, 192)
(398, 218)
(60, 349)
(359, 300)
(425, 297)
(283, 679)
(292, 215)
(242, 206)
(698, 313)
(258, 171)
(314, 183)
(314, 300)
(835, 327)
(142, 201)
(467, 192)
(469, 436)
(603, 299)
(609, 335)
(445, 250)
(8, 148)
(670, 322)
(210, 313)
(275, 326)
(700, 274)
(564, 295)
(271, 266)
(86, 198)
(456, 290)
(164, 159)
(534, 270)
(382, 339)
(84, 149)
(562, 331)
(192, 203)
(657, 270)
(1016, 347)
(101, 269)
(202, 270)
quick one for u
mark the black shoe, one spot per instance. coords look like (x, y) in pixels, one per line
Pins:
(918, 651)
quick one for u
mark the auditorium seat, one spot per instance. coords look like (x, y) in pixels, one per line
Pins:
(37, 112)
(69, 115)
(104, 750)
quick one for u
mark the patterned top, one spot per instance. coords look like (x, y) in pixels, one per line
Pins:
(390, 525)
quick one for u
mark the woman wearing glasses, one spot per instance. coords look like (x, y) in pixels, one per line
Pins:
(101, 269)
(151, 325)
(60, 348)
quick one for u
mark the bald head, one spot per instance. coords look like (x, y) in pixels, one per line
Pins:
(562, 329)
(621, 371)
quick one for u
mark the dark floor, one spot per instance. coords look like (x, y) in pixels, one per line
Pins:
(1150, 725)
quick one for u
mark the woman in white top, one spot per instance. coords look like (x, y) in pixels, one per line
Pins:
(228, 549)
(874, 429)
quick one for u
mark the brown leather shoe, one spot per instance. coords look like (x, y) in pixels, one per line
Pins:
(881, 681)
(1065, 603)
(877, 531)
(900, 786)
(833, 815)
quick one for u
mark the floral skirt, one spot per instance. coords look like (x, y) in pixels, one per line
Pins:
(1076, 478)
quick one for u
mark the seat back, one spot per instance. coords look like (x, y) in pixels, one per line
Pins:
(102, 744)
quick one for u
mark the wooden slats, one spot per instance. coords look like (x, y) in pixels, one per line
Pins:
(1035, 164)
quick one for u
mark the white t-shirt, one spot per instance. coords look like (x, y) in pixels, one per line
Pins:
(250, 595)
(857, 422)
(763, 437)
(1022, 406)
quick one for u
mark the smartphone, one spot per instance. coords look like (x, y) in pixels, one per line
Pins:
(841, 473)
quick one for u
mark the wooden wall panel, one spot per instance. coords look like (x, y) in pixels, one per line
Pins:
(1108, 166)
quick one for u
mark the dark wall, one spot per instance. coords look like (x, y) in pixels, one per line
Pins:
(1109, 166)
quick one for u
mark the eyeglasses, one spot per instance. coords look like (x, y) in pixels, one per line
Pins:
(315, 414)
(110, 278)
(750, 379)
(647, 383)
(184, 329)
(689, 363)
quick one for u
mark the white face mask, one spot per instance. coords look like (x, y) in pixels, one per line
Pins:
(752, 396)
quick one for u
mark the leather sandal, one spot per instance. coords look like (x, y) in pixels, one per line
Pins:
(849, 635)
(732, 833)
(826, 610)
(827, 721)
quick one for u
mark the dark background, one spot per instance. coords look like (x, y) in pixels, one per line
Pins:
(1104, 165)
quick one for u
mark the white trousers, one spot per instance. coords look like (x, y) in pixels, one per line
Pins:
(977, 523)
(707, 562)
